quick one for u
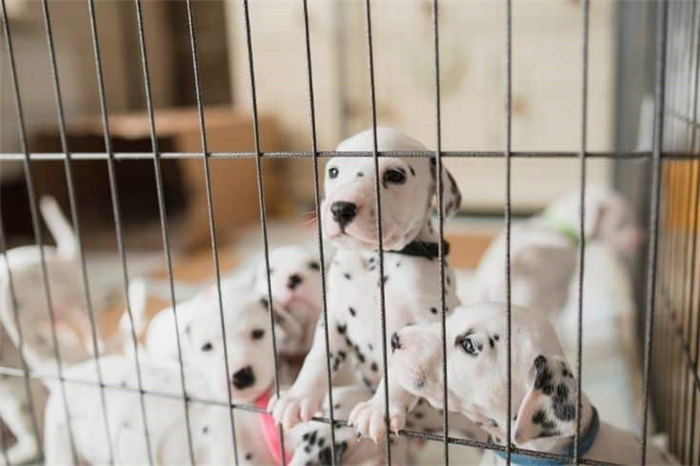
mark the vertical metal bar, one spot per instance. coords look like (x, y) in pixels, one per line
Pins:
(210, 209)
(20, 347)
(694, 298)
(582, 219)
(261, 200)
(116, 211)
(340, 57)
(76, 220)
(319, 226)
(36, 226)
(654, 214)
(668, 299)
(378, 207)
(441, 221)
(686, 304)
(163, 216)
(693, 255)
(507, 156)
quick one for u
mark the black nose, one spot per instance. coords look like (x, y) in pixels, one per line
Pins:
(294, 281)
(343, 212)
(395, 342)
(244, 378)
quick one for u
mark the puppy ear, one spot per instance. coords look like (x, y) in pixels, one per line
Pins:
(549, 407)
(451, 196)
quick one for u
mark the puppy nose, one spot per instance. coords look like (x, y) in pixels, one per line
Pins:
(244, 378)
(395, 342)
(294, 281)
(343, 212)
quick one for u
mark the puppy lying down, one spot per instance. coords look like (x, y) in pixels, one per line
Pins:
(544, 250)
(543, 386)
(246, 372)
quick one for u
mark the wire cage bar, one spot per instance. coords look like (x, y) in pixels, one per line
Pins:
(671, 339)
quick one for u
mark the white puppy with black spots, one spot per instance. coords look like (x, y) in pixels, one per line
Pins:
(543, 387)
(248, 377)
(295, 284)
(22, 294)
(544, 250)
(411, 272)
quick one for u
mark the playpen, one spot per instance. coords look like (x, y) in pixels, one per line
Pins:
(666, 190)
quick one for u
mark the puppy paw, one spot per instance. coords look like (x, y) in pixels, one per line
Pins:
(368, 419)
(290, 409)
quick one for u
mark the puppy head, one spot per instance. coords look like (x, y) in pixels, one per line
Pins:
(250, 372)
(609, 218)
(295, 280)
(543, 388)
(407, 185)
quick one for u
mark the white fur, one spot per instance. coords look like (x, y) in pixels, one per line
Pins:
(543, 259)
(207, 378)
(411, 285)
(477, 383)
(22, 291)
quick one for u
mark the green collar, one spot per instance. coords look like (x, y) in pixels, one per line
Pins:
(561, 226)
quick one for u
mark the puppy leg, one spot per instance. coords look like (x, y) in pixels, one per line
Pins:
(368, 417)
(306, 395)
(57, 449)
(16, 416)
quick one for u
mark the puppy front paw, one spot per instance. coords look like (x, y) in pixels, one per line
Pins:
(290, 408)
(368, 419)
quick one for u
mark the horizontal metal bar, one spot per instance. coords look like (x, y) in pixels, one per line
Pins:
(79, 156)
(14, 372)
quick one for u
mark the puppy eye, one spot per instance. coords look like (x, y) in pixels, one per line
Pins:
(333, 172)
(314, 265)
(257, 334)
(468, 346)
(395, 176)
(207, 346)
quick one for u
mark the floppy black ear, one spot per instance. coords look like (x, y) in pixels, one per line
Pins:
(549, 407)
(451, 196)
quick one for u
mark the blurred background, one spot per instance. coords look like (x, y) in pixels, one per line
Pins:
(546, 117)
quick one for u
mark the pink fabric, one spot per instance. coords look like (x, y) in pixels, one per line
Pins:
(270, 430)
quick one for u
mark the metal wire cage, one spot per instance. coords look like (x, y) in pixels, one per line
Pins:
(670, 342)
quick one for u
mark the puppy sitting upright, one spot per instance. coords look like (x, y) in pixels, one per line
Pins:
(543, 387)
(411, 280)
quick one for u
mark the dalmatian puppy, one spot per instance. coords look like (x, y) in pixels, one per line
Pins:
(543, 386)
(23, 296)
(295, 284)
(248, 376)
(410, 281)
(544, 250)
(295, 281)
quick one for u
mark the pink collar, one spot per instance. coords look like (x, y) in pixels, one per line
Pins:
(270, 430)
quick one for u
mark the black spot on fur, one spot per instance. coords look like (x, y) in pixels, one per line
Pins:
(248, 456)
(341, 328)
(265, 303)
(543, 380)
(205, 430)
(321, 441)
(325, 456)
(352, 311)
(433, 310)
(374, 367)
(386, 278)
(540, 417)
(491, 343)
(347, 276)
(360, 174)
(314, 265)
(312, 437)
(496, 336)
(413, 172)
